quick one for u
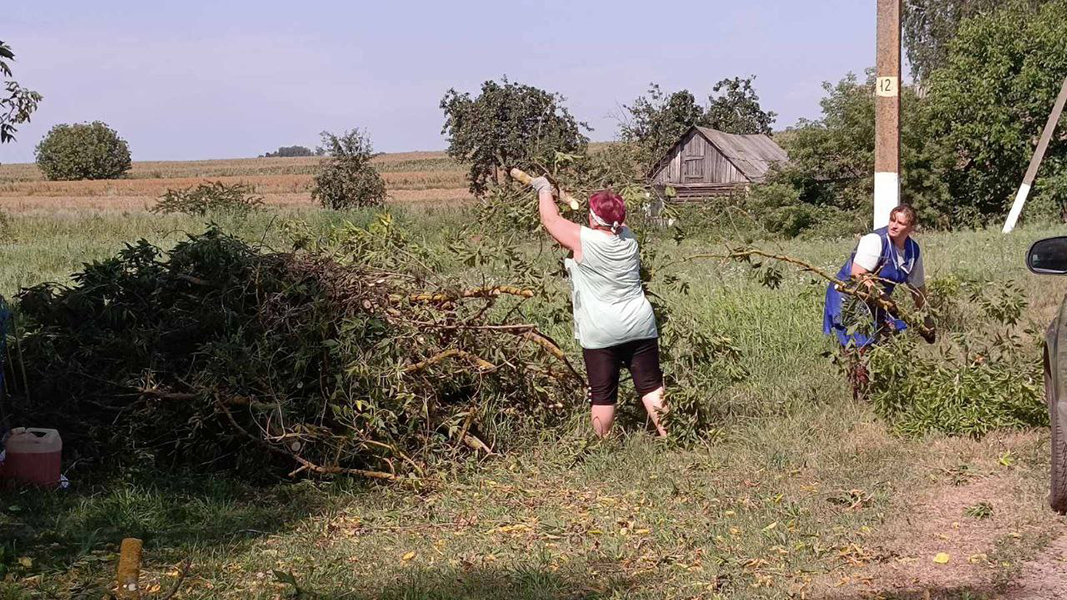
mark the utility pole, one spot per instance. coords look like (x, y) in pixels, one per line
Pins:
(1035, 160)
(887, 113)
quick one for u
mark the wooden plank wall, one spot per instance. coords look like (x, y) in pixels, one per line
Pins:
(696, 161)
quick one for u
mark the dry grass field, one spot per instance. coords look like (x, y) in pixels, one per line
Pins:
(411, 178)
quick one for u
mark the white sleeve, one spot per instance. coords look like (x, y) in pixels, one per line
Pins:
(868, 251)
(918, 273)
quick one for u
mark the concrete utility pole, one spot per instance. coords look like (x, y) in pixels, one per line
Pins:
(887, 113)
(1035, 160)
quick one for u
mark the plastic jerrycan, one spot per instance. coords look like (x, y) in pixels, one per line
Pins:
(33, 456)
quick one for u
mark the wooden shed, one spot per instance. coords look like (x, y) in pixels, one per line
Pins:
(707, 162)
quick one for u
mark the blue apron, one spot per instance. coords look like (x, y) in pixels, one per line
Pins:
(892, 274)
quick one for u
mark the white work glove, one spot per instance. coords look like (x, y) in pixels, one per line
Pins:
(540, 183)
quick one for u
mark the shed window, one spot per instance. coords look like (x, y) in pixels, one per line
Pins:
(693, 169)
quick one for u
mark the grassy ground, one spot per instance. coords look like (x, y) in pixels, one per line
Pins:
(800, 493)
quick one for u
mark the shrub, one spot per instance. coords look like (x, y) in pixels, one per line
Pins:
(216, 196)
(83, 151)
(348, 179)
(985, 377)
(334, 356)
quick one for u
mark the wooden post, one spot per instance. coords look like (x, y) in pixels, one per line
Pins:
(129, 570)
(887, 113)
(1035, 160)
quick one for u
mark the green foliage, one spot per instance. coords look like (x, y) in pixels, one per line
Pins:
(18, 104)
(736, 108)
(211, 197)
(1048, 200)
(984, 377)
(991, 98)
(930, 25)
(347, 178)
(290, 151)
(83, 151)
(512, 208)
(254, 360)
(657, 121)
(508, 125)
(777, 208)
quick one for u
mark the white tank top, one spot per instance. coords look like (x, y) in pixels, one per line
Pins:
(610, 307)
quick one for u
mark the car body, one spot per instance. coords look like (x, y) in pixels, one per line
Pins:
(1049, 257)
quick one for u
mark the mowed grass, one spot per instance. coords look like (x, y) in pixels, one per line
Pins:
(798, 490)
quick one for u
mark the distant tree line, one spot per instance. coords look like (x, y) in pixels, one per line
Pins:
(293, 151)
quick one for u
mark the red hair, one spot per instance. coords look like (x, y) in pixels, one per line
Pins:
(608, 206)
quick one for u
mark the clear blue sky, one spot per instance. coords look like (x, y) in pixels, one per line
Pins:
(197, 80)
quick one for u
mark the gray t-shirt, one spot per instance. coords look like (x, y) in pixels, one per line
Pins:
(610, 307)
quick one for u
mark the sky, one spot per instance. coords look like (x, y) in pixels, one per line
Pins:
(234, 78)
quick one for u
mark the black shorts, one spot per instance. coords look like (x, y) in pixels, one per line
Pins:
(603, 366)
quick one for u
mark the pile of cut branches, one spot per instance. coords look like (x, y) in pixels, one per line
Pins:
(343, 356)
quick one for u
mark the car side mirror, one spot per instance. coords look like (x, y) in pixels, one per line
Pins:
(1048, 256)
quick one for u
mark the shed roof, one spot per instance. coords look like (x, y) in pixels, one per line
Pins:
(753, 155)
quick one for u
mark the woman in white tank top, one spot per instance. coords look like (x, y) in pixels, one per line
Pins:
(613, 321)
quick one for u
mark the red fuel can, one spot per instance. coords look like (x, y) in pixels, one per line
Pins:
(33, 456)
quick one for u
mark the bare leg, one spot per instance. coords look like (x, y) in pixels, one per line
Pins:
(603, 416)
(653, 402)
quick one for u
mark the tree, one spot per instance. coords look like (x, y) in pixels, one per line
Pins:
(929, 26)
(83, 151)
(991, 98)
(657, 121)
(18, 103)
(508, 125)
(348, 179)
(737, 109)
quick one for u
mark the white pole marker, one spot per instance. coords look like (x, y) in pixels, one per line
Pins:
(886, 197)
(1017, 207)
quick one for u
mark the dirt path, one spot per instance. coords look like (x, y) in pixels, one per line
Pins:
(1045, 577)
(970, 533)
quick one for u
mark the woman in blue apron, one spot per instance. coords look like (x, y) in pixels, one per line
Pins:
(890, 255)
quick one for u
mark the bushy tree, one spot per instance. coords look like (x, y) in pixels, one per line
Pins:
(736, 108)
(658, 120)
(290, 151)
(655, 122)
(507, 125)
(18, 103)
(83, 151)
(348, 179)
(991, 99)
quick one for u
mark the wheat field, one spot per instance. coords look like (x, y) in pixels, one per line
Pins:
(410, 177)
